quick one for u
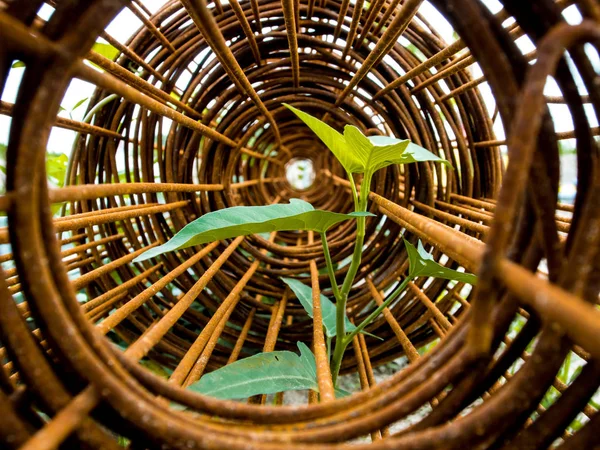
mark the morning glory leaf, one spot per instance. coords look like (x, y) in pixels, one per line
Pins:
(386, 151)
(361, 154)
(243, 220)
(332, 139)
(422, 264)
(377, 152)
(360, 145)
(304, 294)
(265, 373)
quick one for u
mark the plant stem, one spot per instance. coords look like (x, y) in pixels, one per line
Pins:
(336, 361)
(338, 351)
(360, 239)
(340, 346)
(356, 256)
(340, 341)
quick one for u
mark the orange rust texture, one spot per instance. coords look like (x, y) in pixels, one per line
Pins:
(70, 291)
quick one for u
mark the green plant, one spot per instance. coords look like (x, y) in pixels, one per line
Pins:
(278, 371)
(358, 154)
(56, 168)
(106, 50)
(264, 373)
(72, 110)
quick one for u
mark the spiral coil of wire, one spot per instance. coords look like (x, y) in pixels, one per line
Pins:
(188, 119)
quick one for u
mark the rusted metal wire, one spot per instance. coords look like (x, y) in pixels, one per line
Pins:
(191, 121)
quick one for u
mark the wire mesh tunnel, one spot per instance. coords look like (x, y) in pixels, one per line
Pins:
(187, 118)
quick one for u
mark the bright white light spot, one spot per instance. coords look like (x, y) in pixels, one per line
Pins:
(300, 173)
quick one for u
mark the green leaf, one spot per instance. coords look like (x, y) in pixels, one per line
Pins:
(56, 207)
(265, 373)
(575, 426)
(341, 393)
(106, 50)
(56, 167)
(79, 103)
(387, 147)
(426, 348)
(243, 220)
(267, 300)
(361, 154)
(421, 264)
(332, 139)
(304, 294)
(377, 152)
(308, 361)
(17, 64)
(551, 396)
(328, 309)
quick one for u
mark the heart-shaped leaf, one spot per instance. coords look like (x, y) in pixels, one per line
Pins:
(265, 373)
(361, 154)
(421, 264)
(328, 310)
(332, 139)
(387, 151)
(243, 220)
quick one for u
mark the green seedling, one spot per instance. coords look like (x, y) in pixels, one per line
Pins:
(72, 110)
(278, 371)
(358, 154)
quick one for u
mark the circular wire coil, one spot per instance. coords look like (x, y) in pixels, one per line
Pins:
(188, 119)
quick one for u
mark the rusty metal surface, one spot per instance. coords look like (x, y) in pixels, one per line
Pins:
(228, 139)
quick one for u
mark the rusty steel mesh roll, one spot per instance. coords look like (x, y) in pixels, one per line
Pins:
(188, 119)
